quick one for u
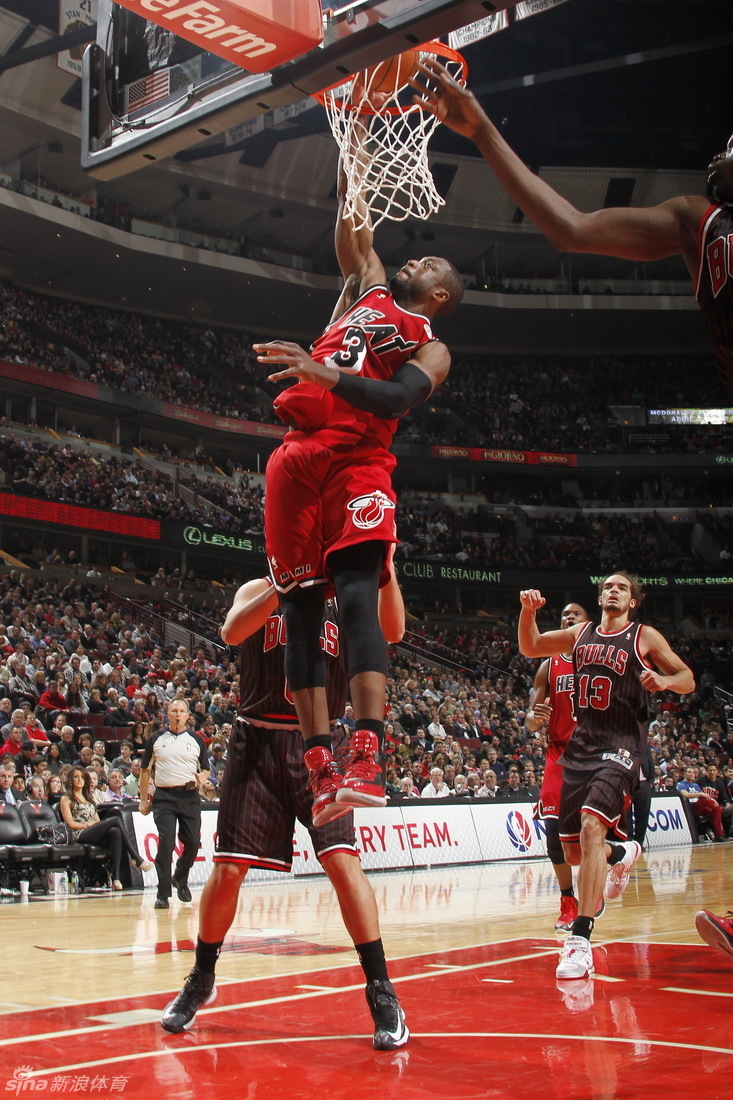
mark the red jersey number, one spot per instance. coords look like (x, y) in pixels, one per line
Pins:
(593, 691)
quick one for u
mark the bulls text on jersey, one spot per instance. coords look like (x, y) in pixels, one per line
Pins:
(599, 654)
(275, 634)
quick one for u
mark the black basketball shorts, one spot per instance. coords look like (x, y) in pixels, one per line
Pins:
(264, 790)
(604, 791)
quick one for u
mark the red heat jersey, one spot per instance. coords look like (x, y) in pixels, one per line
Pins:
(373, 338)
(714, 285)
(560, 697)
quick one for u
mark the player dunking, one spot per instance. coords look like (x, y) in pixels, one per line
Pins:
(698, 229)
(612, 674)
(551, 702)
(265, 789)
(329, 506)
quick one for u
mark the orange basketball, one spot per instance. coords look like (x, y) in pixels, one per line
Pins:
(390, 75)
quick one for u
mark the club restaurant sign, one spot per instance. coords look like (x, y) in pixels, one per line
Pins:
(434, 572)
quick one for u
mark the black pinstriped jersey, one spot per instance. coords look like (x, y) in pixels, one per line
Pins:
(609, 700)
(714, 286)
(266, 698)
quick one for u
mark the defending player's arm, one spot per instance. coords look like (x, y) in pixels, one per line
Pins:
(531, 642)
(392, 610)
(633, 233)
(677, 676)
(253, 603)
(539, 706)
(408, 387)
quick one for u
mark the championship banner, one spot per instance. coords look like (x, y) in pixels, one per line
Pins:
(534, 7)
(244, 130)
(417, 833)
(474, 32)
(73, 17)
(257, 35)
(270, 120)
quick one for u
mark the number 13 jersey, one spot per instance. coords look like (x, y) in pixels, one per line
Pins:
(609, 700)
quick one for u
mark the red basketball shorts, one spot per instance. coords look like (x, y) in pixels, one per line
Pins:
(322, 494)
(549, 803)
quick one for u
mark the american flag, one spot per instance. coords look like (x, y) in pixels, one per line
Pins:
(148, 90)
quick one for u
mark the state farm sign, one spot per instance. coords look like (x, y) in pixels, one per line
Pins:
(257, 35)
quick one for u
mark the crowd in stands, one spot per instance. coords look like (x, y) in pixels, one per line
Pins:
(476, 537)
(239, 502)
(184, 364)
(69, 655)
(552, 403)
(67, 475)
(567, 541)
(564, 404)
(587, 542)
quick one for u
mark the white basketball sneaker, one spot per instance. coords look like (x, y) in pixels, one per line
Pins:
(617, 878)
(576, 959)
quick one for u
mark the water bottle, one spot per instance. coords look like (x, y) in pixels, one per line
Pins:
(74, 882)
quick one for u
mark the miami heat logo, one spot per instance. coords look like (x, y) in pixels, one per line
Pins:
(368, 511)
(519, 831)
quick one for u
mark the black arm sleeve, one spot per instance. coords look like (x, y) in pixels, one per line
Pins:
(408, 387)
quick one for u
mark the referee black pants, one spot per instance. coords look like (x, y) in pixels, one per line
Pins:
(173, 807)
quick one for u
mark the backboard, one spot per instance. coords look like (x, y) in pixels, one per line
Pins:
(148, 94)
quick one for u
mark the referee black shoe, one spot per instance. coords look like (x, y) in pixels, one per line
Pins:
(184, 894)
(390, 1029)
(198, 990)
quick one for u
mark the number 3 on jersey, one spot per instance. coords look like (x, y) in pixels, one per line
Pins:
(350, 356)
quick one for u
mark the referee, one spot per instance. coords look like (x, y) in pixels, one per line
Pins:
(180, 762)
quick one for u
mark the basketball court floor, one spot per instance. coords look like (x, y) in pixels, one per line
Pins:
(472, 954)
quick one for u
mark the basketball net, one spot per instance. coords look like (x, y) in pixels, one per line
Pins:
(383, 139)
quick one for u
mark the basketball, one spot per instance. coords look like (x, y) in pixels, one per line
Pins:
(389, 76)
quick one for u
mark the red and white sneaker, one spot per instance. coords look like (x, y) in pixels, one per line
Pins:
(363, 783)
(717, 931)
(568, 913)
(617, 878)
(324, 780)
(600, 908)
(576, 959)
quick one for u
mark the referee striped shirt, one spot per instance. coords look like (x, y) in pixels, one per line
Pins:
(177, 757)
